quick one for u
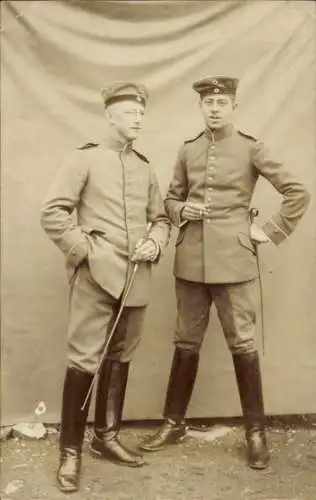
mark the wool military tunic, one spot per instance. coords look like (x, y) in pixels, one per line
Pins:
(221, 169)
(116, 195)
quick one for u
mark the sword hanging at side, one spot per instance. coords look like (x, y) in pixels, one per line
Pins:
(253, 214)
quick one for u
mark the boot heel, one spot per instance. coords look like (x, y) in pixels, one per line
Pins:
(68, 474)
(169, 433)
(115, 452)
(95, 453)
(258, 455)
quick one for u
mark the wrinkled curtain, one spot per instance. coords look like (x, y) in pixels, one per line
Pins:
(55, 58)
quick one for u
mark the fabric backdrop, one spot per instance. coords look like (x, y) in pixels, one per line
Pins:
(56, 57)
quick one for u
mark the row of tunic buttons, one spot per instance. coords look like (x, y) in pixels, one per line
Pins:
(210, 178)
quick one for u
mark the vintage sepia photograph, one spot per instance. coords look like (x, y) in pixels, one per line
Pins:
(158, 250)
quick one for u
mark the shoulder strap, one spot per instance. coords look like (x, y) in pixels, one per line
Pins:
(141, 156)
(194, 139)
(247, 136)
(88, 145)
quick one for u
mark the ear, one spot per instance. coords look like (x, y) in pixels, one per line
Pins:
(109, 116)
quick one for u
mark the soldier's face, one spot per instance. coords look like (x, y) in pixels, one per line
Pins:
(126, 117)
(217, 110)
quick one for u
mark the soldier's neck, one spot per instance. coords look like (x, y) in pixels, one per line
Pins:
(217, 134)
(114, 140)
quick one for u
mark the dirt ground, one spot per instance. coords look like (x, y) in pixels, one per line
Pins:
(197, 469)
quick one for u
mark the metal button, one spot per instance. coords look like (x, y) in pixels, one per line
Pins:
(212, 157)
(210, 189)
(212, 146)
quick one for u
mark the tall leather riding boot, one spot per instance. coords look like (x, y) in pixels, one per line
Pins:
(73, 422)
(247, 369)
(180, 387)
(108, 415)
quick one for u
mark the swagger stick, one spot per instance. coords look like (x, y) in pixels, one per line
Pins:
(117, 319)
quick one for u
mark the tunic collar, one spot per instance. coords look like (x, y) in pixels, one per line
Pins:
(218, 134)
(116, 143)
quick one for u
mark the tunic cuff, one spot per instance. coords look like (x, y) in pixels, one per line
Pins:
(181, 222)
(77, 253)
(274, 232)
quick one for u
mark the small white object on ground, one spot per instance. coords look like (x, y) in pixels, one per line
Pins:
(40, 409)
(13, 486)
(214, 433)
(30, 430)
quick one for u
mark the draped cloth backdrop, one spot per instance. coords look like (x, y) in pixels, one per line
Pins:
(55, 58)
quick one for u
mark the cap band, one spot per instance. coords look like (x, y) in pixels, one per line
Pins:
(217, 90)
(125, 97)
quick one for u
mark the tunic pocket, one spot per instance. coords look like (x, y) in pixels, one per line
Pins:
(246, 242)
(93, 232)
(180, 235)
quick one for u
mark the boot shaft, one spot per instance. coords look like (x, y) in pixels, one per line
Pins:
(248, 375)
(73, 418)
(247, 368)
(110, 396)
(181, 382)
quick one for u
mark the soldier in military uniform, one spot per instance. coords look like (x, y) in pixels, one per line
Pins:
(209, 200)
(115, 194)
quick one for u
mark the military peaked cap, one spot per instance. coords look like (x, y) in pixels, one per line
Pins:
(124, 91)
(216, 85)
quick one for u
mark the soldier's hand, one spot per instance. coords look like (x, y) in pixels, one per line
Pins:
(257, 235)
(193, 211)
(145, 250)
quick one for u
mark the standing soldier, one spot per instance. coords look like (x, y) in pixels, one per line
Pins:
(209, 200)
(116, 195)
